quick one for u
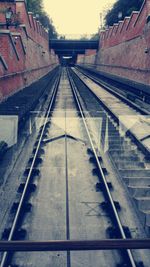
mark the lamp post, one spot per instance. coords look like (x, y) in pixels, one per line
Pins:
(101, 20)
(8, 17)
(120, 15)
(37, 16)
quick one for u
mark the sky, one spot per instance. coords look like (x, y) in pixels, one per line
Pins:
(76, 17)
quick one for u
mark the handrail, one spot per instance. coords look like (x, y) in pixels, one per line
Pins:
(74, 245)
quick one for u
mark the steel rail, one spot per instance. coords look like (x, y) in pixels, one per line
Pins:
(106, 86)
(67, 192)
(15, 221)
(74, 245)
(120, 227)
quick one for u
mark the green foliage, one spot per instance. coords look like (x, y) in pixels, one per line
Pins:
(95, 37)
(36, 6)
(86, 37)
(62, 37)
(125, 7)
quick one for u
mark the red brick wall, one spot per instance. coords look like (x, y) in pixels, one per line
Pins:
(88, 58)
(122, 48)
(25, 50)
(3, 8)
(126, 30)
(126, 59)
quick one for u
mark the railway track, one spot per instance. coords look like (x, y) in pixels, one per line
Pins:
(67, 193)
(133, 94)
(127, 143)
(26, 187)
(14, 161)
(103, 180)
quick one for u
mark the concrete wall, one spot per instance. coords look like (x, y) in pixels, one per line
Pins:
(124, 48)
(24, 50)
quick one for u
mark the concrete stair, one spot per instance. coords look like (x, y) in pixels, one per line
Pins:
(113, 138)
(117, 141)
(122, 147)
(137, 181)
(125, 158)
(139, 191)
(130, 165)
(123, 154)
(145, 215)
(143, 203)
(134, 173)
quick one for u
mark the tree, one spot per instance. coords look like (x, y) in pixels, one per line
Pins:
(84, 37)
(48, 24)
(124, 7)
(95, 37)
(36, 6)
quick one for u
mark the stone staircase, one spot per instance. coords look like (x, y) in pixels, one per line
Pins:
(129, 162)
